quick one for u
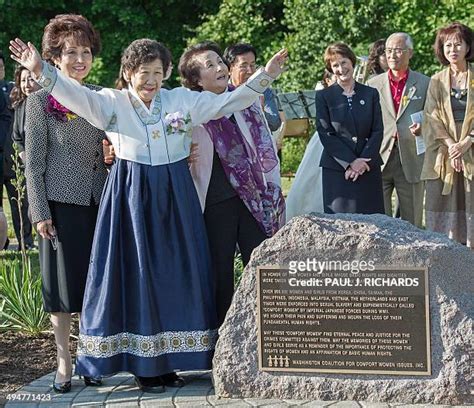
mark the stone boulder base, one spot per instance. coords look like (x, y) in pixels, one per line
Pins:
(387, 241)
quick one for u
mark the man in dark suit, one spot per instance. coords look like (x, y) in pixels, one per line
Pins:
(402, 93)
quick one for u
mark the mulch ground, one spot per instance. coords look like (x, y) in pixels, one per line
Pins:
(24, 358)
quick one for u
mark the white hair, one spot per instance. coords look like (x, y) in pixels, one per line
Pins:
(406, 37)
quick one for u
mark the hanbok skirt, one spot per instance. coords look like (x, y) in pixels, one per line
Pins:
(149, 304)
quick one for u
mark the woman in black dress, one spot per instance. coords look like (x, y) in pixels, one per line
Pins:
(65, 176)
(349, 123)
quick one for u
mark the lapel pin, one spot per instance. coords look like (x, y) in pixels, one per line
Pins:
(362, 102)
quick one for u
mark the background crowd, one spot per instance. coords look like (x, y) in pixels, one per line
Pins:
(399, 132)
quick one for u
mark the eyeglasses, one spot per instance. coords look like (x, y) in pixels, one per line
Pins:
(397, 51)
(245, 67)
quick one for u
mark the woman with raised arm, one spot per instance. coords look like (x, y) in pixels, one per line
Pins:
(149, 303)
(65, 177)
(236, 173)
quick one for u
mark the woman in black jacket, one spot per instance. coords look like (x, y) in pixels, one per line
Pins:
(349, 123)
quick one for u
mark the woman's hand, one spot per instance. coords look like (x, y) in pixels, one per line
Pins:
(276, 65)
(46, 229)
(109, 152)
(360, 165)
(26, 55)
(456, 150)
(456, 164)
(351, 174)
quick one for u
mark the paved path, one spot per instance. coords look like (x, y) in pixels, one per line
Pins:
(120, 391)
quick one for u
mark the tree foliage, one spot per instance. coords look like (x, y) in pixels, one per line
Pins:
(307, 27)
(361, 22)
(259, 22)
(119, 22)
(313, 24)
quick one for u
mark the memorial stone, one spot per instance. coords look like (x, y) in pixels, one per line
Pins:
(385, 316)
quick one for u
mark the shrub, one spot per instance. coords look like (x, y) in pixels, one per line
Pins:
(292, 154)
(21, 302)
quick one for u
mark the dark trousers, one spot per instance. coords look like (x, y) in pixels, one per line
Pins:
(27, 228)
(229, 223)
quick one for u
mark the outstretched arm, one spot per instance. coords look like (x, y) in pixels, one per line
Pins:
(97, 107)
(205, 106)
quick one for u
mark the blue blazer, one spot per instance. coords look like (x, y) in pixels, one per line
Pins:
(349, 133)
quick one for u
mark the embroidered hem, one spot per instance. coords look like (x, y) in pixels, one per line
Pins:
(48, 77)
(147, 346)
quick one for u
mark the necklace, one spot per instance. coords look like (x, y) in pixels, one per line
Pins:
(458, 93)
(459, 78)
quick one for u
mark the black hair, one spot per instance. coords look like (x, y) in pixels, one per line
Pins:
(233, 51)
(189, 70)
(139, 52)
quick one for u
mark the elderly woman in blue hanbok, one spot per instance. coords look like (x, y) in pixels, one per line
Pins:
(149, 304)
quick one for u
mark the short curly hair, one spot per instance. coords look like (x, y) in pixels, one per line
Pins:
(64, 27)
(188, 68)
(144, 51)
(458, 30)
(341, 49)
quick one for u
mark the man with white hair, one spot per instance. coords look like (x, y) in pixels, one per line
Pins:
(402, 94)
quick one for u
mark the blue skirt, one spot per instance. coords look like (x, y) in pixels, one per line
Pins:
(149, 303)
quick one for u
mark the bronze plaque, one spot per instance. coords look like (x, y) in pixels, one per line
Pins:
(337, 321)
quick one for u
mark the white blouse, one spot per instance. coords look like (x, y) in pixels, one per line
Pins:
(157, 135)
